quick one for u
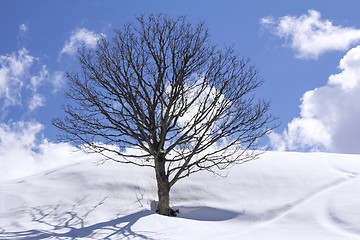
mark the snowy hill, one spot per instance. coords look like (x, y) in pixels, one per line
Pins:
(279, 196)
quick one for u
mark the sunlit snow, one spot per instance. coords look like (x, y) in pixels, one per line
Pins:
(279, 196)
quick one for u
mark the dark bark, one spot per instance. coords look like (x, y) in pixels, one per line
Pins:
(163, 186)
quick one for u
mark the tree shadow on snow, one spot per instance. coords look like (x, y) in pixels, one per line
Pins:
(202, 213)
(70, 225)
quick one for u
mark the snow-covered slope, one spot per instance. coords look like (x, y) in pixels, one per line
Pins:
(279, 196)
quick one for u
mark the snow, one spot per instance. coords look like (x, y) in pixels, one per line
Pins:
(282, 195)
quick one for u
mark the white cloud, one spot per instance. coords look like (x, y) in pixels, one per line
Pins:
(23, 152)
(349, 78)
(18, 76)
(79, 37)
(36, 101)
(330, 115)
(310, 36)
(16, 142)
(267, 21)
(57, 80)
(23, 28)
(13, 70)
(37, 80)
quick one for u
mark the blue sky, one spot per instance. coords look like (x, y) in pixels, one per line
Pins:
(306, 51)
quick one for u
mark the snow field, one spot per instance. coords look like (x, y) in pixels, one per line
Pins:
(279, 196)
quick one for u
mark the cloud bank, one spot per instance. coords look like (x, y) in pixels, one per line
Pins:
(24, 83)
(310, 36)
(330, 115)
(23, 152)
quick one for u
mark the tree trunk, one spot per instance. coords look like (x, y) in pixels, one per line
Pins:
(163, 186)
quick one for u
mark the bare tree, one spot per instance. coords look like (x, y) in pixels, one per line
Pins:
(161, 95)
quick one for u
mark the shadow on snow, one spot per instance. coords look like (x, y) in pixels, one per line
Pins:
(70, 225)
(202, 213)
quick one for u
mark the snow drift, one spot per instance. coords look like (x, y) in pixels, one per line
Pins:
(279, 196)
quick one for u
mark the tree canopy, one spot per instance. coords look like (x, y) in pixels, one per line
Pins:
(160, 94)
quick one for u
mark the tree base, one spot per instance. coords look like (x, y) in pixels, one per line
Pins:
(171, 212)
